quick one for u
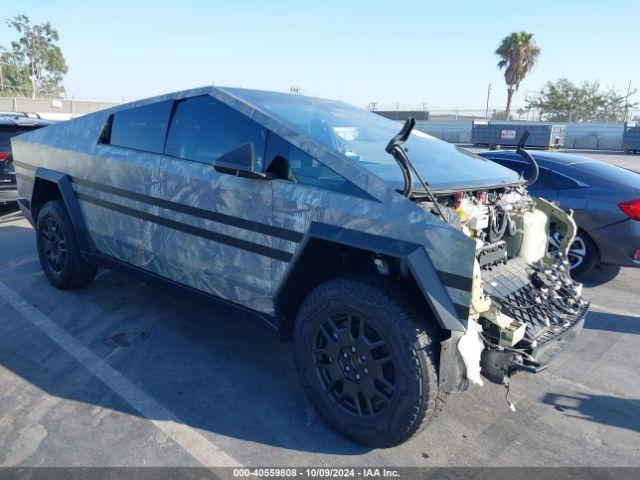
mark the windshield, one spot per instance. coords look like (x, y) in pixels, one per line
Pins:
(361, 136)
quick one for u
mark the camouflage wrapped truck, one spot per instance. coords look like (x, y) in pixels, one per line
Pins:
(403, 268)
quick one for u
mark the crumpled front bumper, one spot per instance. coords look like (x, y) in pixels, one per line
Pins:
(498, 365)
(551, 348)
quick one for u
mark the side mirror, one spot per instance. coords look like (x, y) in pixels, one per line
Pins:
(240, 162)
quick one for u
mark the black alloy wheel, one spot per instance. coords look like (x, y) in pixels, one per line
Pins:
(60, 256)
(54, 245)
(354, 365)
(367, 356)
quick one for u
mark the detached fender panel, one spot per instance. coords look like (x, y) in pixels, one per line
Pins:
(432, 283)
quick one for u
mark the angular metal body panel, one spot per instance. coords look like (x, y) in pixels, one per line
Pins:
(228, 236)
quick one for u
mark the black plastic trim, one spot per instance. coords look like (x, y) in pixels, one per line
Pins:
(194, 211)
(447, 313)
(71, 203)
(26, 166)
(461, 310)
(25, 208)
(455, 281)
(190, 229)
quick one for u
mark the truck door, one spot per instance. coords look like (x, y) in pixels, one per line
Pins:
(217, 226)
(119, 185)
(305, 190)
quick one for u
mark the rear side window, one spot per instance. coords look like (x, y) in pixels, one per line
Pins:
(562, 182)
(203, 128)
(520, 168)
(141, 128)
(545, 177)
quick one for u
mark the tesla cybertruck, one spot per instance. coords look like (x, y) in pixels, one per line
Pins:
(403, 268)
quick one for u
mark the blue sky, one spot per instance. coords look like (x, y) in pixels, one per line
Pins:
(440, 53)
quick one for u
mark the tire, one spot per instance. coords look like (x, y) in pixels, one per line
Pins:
(382, 390)
(583, 253)
(58, 250)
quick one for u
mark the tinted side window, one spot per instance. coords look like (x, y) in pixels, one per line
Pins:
(141, 128)
(202, 129)
(560, 181)
(305, 169)
(545, 179)
(520, 168)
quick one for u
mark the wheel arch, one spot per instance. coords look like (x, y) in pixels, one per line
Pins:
(53, 185)
(327, 251)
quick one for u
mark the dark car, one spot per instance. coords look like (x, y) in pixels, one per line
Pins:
(605, 200)
(12, 124)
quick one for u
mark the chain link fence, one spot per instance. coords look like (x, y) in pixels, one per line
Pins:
(423, 112)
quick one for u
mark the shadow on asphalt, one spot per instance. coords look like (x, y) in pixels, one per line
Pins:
(600, 275)
(9, 212)
(208, 364)
(611, 322)
(603, 409)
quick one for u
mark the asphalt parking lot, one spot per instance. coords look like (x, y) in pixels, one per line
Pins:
(124, 373)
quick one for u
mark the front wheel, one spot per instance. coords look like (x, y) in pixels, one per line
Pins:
(367, 359)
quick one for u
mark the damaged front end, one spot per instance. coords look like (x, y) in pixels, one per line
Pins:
(524, 305)
(524, 301)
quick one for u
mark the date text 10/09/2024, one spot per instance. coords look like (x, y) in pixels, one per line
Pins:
(317, 472)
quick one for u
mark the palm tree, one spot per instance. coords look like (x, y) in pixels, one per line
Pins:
(519, 53)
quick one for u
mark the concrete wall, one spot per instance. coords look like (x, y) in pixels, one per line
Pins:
(592, 136)
(52, 108)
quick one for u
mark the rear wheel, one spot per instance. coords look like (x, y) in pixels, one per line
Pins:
(367, 359)
(58, 250)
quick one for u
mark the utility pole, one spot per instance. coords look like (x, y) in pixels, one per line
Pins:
(486, 112)
(626, 103)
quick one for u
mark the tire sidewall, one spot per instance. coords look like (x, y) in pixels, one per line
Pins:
(56, 211)
(590, 259)
(408, 386)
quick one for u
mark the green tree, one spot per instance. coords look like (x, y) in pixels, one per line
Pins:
(14, 77)
(518, 53)
(34, 64)
(564, 101)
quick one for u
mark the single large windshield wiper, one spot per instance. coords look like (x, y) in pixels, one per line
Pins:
(535, 171)
(396, 150)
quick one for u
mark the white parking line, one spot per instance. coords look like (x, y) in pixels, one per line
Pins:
(206, 452)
